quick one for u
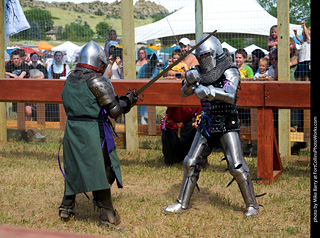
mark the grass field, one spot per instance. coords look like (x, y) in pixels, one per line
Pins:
(31, 188)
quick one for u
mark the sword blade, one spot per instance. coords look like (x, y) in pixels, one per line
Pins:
(147, 85)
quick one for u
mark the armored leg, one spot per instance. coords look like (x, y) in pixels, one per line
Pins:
(239, 170)
(66, 207)
(190, 176)
(108, 215)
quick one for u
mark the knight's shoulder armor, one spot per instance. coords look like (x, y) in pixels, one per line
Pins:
(102, 89)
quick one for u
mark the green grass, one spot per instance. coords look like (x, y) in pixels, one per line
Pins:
(31, 188)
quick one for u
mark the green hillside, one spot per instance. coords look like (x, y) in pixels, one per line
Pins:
(63, 17)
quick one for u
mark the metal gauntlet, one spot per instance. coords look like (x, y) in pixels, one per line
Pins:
(130, 99)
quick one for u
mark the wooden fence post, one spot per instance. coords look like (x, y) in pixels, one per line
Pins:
(129, 70)
(284, 73)
(3, 111)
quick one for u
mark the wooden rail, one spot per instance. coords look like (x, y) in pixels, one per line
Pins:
(264, 96)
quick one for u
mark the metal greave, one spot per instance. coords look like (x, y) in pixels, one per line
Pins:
(191, 170)
(238, 167)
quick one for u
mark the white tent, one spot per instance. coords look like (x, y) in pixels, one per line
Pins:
(253, 47)
(70, 48)
(229, 17)
(229, 47)
(66, 46)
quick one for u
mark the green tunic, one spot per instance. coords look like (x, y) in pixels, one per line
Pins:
(82, 154)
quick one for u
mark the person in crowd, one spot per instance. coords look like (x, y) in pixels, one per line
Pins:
(112, 37)
(244, 69)
(257, 54)
(90, 158)
(115, 66)
(34, 64)
(177, 132)
(303, 70)
(296, 115)
(142, 58)
(272, 41)
(263, 69)
(59, 69)
(245, 72)
(227, 53)
(185, 45)
(273, 69)
(111, 47)
(18, 70)
(294, 58)
(178, 70)
(149, 70)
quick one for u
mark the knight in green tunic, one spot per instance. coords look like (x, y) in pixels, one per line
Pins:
(89, 154)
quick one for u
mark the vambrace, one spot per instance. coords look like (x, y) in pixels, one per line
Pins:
(122, 105)
(192, 79)
(186, 89)
(116, 108)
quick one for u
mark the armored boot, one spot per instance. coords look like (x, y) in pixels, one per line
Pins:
(183, 202)
(108, 215)
(66, 207)
(247, 191)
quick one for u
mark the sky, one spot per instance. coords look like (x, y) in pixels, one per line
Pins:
(169, 4)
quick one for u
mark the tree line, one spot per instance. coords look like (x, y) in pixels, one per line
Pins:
(41, 21)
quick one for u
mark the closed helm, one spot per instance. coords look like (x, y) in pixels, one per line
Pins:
(92, 56)
(208, 52)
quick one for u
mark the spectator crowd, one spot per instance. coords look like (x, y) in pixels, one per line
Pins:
(261, 67)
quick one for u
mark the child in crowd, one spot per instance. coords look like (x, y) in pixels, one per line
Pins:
(263, 69)
(177, 71)
(303, 69)
(272, 41)
(245, 70)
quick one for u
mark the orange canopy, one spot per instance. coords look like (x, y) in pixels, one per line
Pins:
(44, 46)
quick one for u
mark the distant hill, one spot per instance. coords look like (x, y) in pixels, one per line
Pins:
(142, 9)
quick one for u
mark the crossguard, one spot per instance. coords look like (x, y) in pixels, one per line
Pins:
(135, 92)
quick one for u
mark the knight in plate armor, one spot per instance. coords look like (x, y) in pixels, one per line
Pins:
(89, 154)
(215, 82)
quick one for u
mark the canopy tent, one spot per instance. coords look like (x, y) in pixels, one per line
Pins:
(67, 46)
(229, 47)
(253, 47)
(42, 45)
(231, 18)
(70, 48)
(29, 50)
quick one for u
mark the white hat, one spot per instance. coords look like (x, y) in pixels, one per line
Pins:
(184, 41)
(112, 43)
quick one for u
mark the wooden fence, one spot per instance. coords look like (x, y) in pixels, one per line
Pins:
(264, 97)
